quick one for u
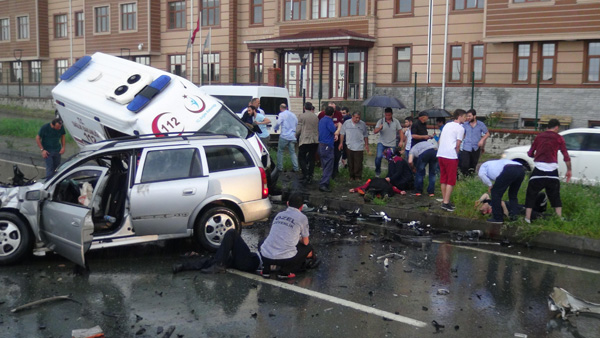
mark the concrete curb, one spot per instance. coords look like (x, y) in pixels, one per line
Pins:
(547, 240)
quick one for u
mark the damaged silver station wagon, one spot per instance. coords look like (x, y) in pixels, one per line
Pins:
(136, 190)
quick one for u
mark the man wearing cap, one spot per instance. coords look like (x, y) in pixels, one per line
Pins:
(288, 122)
(419, 131)
(308, 139)
(356, 135)
(388, 129)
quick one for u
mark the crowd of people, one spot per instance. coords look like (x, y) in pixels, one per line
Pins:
(409, 150)
(341, 138)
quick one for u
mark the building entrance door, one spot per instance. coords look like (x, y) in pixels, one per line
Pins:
(295, 80)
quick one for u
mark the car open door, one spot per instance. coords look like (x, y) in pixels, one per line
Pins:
(66, 216)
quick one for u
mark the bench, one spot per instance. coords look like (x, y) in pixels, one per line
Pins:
(565, 121)
(506, 120)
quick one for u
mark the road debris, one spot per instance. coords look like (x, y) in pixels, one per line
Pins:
(42, 301)
(169, 331)
(437, 326)
(520, 335)
(94, 332)
(391, 255)
(443, 292)
(563, 301)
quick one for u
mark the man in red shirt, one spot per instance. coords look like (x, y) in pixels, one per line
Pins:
(544, 151)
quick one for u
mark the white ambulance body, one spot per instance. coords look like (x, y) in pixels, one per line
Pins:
(96, 95)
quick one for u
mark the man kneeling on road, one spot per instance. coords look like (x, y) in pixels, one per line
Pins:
(287, 247)
(284, 254)
(507, 174)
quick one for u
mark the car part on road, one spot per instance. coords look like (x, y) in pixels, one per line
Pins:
(213, 225)
(42, 301)
(563, 301)
(15, 239)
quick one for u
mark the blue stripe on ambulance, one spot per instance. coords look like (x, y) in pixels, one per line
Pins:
(148, 93)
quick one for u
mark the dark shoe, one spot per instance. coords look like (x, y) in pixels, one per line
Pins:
(286, 276)
(177, 268)
(312, 262)
(494, 221)
(213, 269)
(324, 188)
(448, 207)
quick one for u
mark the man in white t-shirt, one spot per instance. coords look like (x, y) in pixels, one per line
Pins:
(449, 147)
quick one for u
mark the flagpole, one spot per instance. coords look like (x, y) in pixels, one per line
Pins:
(209, 55)
(200, 51)
(191, 77)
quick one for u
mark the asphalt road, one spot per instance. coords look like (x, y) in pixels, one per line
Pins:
(131, 292)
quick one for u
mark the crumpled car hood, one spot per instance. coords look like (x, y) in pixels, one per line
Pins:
(11, 196)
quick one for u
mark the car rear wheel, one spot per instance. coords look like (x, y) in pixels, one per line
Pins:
(15, 239)
(213, 225)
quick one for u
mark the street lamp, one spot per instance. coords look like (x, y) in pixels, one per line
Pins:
(18, 54)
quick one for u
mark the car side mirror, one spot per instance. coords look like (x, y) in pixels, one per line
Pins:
(36, 195)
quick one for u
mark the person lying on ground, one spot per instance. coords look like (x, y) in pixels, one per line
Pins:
(287, 247)
(399, 173)
(377, 187)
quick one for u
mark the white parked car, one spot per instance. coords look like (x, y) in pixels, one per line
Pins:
(583, 145)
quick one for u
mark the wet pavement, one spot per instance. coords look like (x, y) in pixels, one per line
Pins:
(475, 291)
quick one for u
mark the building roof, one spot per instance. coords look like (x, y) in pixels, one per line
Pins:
(308, 39)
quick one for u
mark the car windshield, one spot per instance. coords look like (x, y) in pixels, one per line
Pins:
(227, 123)
(73, 159)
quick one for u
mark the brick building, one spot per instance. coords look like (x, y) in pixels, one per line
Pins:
(452, 51)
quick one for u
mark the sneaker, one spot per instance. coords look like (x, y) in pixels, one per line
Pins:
(265, 274)
(527, 220)
(431, 195)
(494, 221)
(416, 194)
(377, 174)
(286, 276)
(213, 269)
(312, 262)
(448, 207)
(324, 188)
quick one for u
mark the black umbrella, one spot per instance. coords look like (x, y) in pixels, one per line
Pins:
(383, 101)
(436, 112)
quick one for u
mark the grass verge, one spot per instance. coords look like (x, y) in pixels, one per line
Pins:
(24, 128)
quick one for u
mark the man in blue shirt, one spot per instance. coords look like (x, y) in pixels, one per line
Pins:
(328, 134)
(507, 174)
(288, 122)
(261, 121)
(476, 133)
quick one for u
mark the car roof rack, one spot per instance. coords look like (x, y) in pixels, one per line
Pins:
(184, 136)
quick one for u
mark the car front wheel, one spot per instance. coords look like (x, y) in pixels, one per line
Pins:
(213, 225)
(15, 239)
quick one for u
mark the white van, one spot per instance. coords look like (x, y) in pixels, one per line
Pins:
(237, 98)
(103, 97)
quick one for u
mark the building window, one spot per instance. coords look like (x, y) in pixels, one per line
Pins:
(468, 4)
(35, 71)
(211, 12)
(404, 6)
(455, 63)
(523, 62)
(16, 72)
(403, 60)
(593, 62)
(61, 67)
(256, 12)
(1, 73)
(477, 55)
(353, 7)
(295, 10)
(145, 60)
(128, 17)
(177, 65)
(79, 27)
(548, 61)
(176, 14)
(522, 1)
(323, 9)
(211, 69)
(4, 29)
(60, 26)
(22, 27)
(256, 66)
(101, 19)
